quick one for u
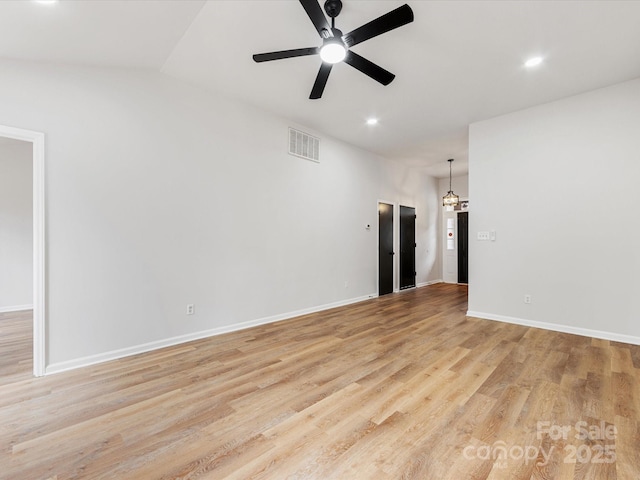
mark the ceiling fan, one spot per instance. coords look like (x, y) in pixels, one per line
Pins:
(336, 47)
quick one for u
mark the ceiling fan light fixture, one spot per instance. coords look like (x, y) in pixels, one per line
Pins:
(336, 47)
(333, 51)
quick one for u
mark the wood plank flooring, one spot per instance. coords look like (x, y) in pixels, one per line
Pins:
(16, 346)
(400, 387)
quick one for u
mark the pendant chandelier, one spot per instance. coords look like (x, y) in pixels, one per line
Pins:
(450, 199)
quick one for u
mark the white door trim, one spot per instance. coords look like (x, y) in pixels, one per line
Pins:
(39, 237)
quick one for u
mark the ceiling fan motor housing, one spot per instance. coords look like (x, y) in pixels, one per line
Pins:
(333, 8)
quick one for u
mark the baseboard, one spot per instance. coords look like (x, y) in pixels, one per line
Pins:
(585, 332)
(16, 308)
(430, 282)
(168, 342)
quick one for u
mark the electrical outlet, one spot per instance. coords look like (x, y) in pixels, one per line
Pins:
(527, 298)
(346, 284)
(191, 309)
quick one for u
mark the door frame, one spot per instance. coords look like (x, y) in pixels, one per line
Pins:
(39, 238)
(394, 207)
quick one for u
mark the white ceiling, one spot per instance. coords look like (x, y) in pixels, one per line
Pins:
(457, 63)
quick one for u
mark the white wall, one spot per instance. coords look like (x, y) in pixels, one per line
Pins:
(160, 194)
(16, 225)
(559, 184)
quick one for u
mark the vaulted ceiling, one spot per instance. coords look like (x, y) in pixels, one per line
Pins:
(457, 63)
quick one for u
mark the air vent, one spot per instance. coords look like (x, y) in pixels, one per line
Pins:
(304, 145)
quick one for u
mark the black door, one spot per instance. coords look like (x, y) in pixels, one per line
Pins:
(385, 248)
(463, 246)
(407, 247)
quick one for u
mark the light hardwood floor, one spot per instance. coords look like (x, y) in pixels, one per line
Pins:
(400, 387)
(16, 346)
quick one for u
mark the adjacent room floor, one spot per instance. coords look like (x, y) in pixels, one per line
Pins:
(402, 386)
(16, 346)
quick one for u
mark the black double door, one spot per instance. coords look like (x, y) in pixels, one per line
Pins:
(407, 247)
(385, 248)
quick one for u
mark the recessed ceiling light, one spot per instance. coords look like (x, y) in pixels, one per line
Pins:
(46, 2)
(533, 62)
(372, 121)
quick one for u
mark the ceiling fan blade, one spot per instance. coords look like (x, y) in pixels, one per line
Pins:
(394, 19)
(321, 81)
(369, 68)
(298, 52)
(312, 7)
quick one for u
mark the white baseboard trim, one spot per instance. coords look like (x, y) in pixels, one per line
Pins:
(16, 308)
(430, 282)
(168, 342)
(585, 332)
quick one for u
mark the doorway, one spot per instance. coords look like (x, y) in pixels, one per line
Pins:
(38, 292)
(385, 248)
(407, 247)
(16, 260)
(463, 247)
